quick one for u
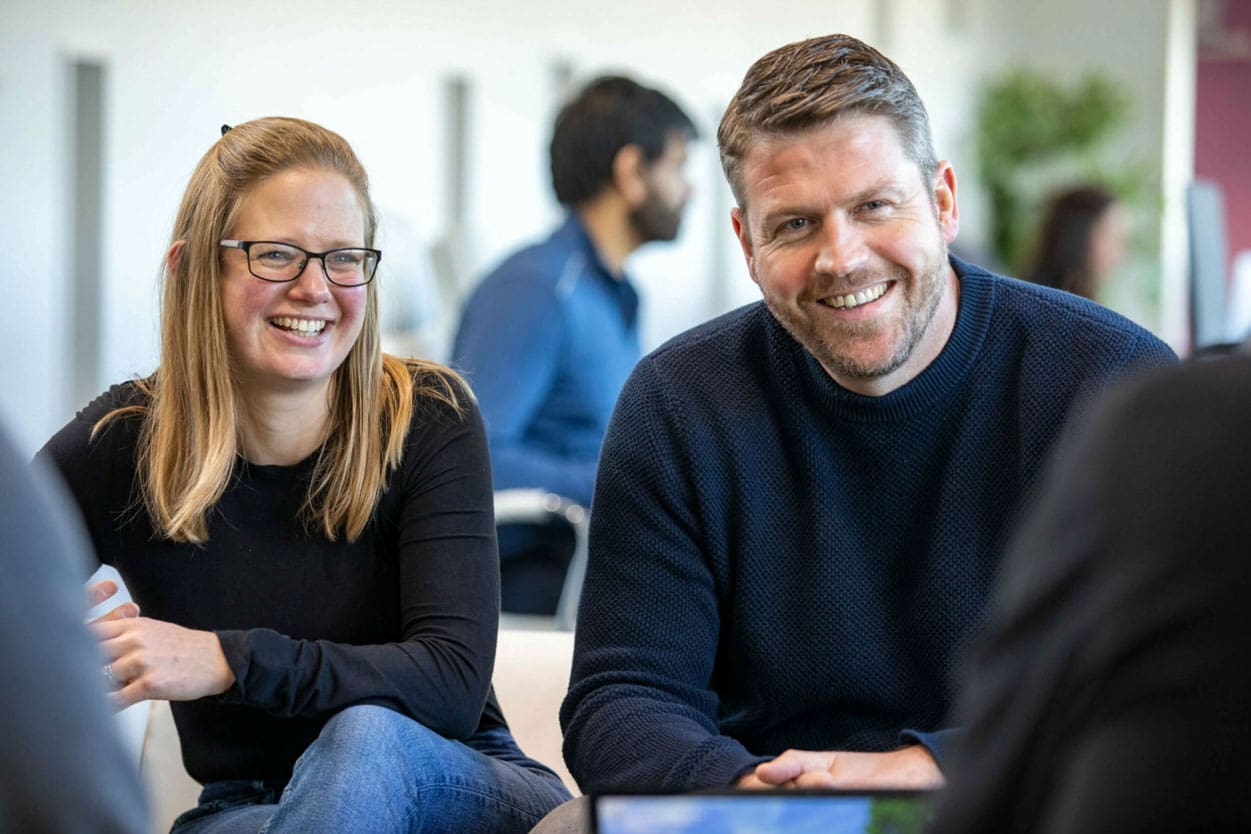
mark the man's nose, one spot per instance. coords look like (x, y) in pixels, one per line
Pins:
(843, 248)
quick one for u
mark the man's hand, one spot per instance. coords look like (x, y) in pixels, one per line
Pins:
(908, 767)
(154, 659)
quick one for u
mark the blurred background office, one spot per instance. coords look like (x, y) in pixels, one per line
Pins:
(106, 105)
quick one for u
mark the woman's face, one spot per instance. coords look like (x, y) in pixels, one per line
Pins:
(293, 336)
(1109, 237)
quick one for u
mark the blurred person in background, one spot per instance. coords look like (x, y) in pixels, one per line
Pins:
(548, 338)
(304, 522)
(1081, 241)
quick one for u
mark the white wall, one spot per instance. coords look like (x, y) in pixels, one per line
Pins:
(175, 72)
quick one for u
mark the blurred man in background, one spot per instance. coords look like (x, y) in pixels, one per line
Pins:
(548, 338)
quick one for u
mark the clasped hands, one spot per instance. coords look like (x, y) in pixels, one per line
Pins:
(907, 768)
(149, 658)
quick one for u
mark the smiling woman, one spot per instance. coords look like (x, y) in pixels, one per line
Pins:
(290, 330)
(304, 522)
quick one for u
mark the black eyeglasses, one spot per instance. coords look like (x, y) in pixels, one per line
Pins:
(270, 260)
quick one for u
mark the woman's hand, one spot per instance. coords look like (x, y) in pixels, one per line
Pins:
(98, 592)
(154, 659)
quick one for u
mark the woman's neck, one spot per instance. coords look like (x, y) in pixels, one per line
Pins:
(283, 428)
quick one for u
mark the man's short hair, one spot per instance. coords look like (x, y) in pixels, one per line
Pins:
(810, 83)
(608, 114)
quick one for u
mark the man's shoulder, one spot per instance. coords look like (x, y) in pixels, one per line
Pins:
(539, 265)
(1050, 320)
(1034, 304)
(716, 340)
(742, 323)
(536, 264)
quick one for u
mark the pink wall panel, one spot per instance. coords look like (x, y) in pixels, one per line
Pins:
(1223, 125)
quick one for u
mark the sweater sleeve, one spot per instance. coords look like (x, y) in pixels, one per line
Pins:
(439, 672)
(510, 343)
(641, 713)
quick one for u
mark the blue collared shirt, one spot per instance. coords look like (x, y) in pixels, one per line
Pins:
(546, 341)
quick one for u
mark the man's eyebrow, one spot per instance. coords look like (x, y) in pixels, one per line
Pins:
(891, 188)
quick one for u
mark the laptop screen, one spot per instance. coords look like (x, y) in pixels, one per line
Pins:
(763, 812)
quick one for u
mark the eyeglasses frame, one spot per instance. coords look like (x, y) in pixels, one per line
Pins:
(246, 246)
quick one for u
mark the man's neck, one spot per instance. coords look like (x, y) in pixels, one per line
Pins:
(607, 223)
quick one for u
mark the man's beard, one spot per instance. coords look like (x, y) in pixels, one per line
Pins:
(653, 220)
(831, 348)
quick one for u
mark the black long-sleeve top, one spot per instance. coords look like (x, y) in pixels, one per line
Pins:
(405, 617)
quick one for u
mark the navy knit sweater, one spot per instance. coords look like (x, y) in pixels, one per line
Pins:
(777, 562)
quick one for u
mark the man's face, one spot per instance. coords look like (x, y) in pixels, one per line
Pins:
(660, 214)
(848, 242)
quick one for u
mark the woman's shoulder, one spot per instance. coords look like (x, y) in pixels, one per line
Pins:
(133, 394)
(90, 453)
(436, 392)
(125, 402)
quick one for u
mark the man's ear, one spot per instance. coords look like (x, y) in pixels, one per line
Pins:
(174, 257)
(627, 175)
(945, 201)
(739, 222)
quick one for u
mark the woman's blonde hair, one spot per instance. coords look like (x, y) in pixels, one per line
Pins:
(189, 438)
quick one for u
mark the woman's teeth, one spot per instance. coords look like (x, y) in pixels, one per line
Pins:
(310, 326)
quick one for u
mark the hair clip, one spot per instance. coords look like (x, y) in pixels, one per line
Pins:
(225, 129)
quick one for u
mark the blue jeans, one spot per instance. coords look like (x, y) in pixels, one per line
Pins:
(374, 770)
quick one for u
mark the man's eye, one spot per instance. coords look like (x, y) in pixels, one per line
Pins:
(874, 205)
(795, 224)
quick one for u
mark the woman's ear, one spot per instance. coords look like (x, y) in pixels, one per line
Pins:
(174, 256)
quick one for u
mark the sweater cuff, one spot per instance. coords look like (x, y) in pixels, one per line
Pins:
(939, 743)
(718, 765)
(746, 769)
(237, 651)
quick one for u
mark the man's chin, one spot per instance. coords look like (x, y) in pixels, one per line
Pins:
(861, 362)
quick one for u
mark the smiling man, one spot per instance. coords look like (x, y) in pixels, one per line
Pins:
(801, 504)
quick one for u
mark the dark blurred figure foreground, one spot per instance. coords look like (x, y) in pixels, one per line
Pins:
(1110, 692)
(63, 769)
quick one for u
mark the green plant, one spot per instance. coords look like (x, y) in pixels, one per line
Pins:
(1028, 127)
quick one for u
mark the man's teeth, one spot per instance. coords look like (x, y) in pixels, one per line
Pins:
(299, 325)
(856, 299)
